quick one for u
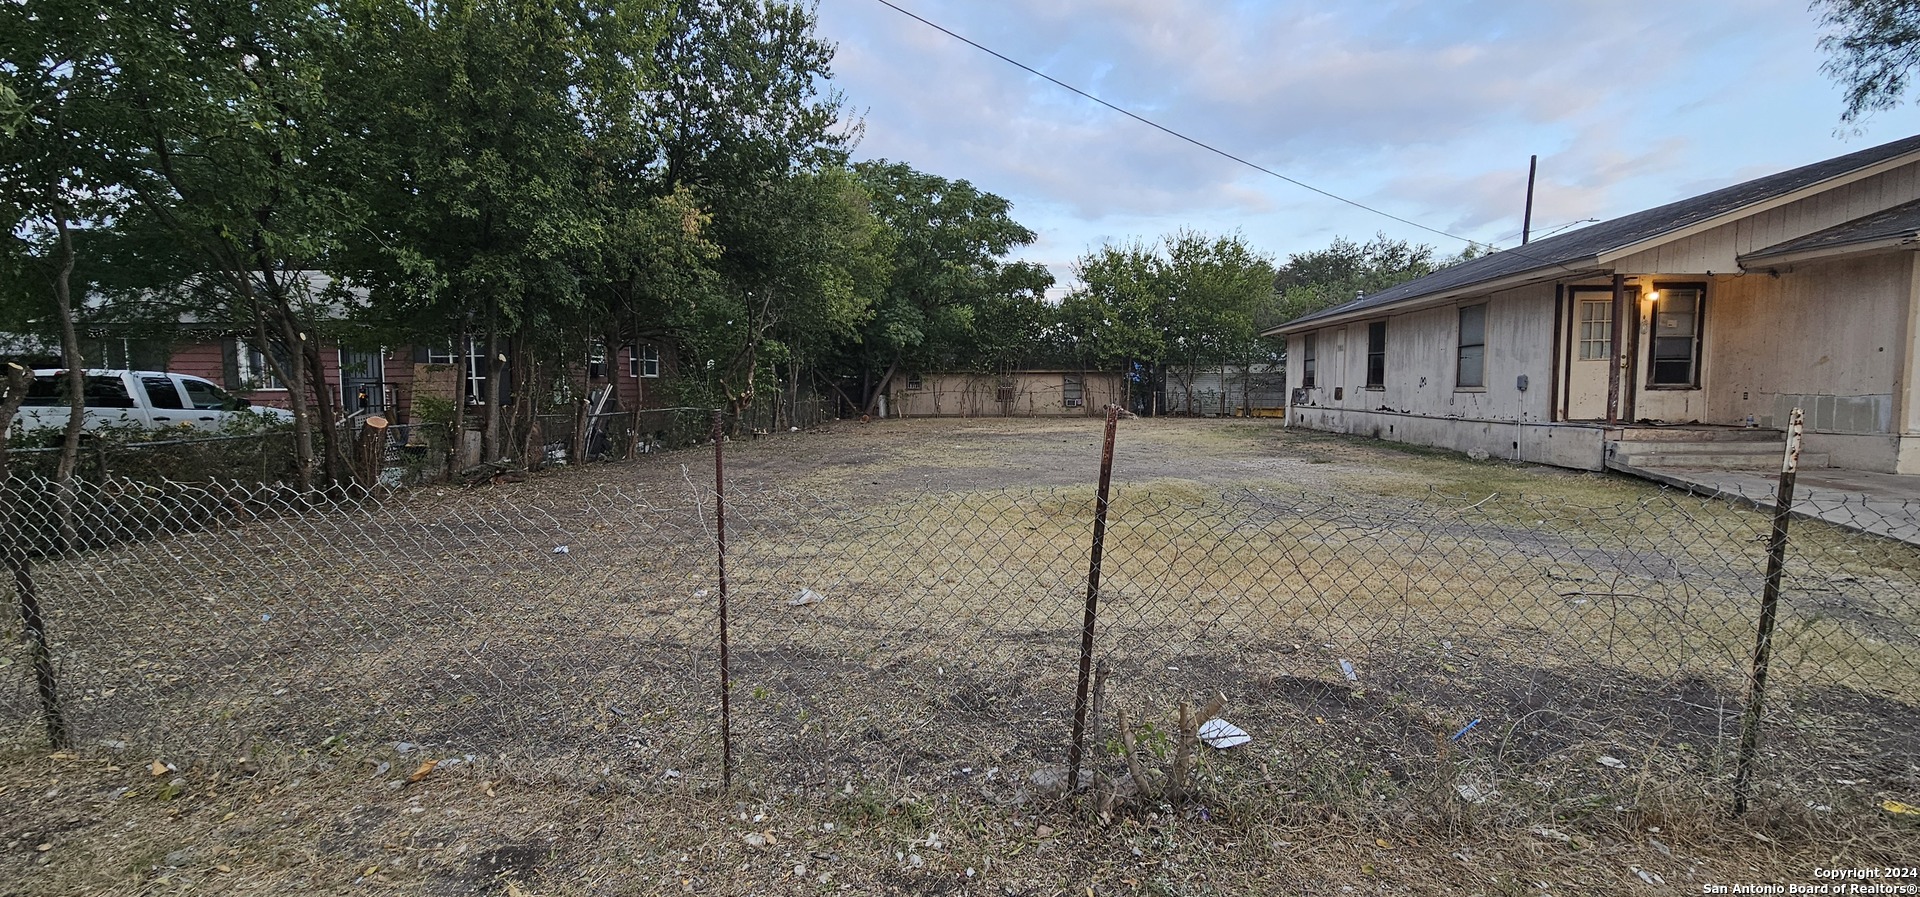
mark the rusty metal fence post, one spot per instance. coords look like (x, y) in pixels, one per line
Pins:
(1076, 751)
(720, 540)
(1769, 614)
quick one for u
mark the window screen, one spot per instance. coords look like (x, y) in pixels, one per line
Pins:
(1377, 355)
(1675, 356)
(1473, 347)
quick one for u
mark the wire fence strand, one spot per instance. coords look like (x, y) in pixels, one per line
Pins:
(1458, 649)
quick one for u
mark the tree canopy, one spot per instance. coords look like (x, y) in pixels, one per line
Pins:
(526, 187)
(1872, 47)
(1186, 299)
(1321, 278)
(521, 186)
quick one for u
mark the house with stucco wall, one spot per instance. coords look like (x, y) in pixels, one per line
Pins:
(1678, 336)
(1037, 392)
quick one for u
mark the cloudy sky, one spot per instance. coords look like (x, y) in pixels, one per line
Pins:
(1427, 111)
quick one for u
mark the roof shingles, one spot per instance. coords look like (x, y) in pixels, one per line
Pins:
(1576, 251)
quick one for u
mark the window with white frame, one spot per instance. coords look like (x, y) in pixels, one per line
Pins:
(643, 361)
(251, 364)
(1596, 329)
(1073, 391)
(474, 362)
(1309, 360)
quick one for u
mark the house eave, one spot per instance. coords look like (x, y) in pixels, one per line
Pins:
(1569, 270)
(1612, 256)
(1761, 261)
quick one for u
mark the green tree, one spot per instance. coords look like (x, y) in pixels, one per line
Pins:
(1014, 325)
(226, 162)
(1322, 278)
(1872, 47)
(61, 70)
(947, 270)
(1185, 302)
(1107, 319)
(805, 278)
(1216, 287)
(499, 137)
(747, 128)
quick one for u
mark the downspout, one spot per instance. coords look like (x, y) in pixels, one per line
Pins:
(1559, 353)
(1906, 421)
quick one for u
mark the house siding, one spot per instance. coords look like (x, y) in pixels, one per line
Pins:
(203, 360)
(1716, 250)
(1836, 336)
(1419, 400)
(1827, 339)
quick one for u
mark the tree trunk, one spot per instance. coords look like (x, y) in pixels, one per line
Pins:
(457, 435)
(333, 448)
(873, 398)
(793, 408)
(370, 451)
(332, 439)
(845, 399)
(17, 379)
(739, 402)
(583, 405)
(1246, 390)
(76, 388)
(490, 443)
(534, 381)
(293, 374)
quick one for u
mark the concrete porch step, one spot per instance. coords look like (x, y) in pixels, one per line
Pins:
(1639, 434)
(1709, 455)
(1700, 448)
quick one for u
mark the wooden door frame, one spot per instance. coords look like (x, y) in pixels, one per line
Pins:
(1566, 314)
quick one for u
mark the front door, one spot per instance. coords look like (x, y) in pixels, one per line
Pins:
(1589, 353)
(363, 381)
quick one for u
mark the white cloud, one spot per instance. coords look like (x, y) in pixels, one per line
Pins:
(1425, 110)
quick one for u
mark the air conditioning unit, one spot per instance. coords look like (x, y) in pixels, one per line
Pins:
(1075, 403)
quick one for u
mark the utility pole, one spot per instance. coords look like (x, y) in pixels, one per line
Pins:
(1526, 221)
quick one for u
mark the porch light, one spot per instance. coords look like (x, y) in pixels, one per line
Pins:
(1653, 296)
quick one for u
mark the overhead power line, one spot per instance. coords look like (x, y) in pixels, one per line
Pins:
(1163, 128)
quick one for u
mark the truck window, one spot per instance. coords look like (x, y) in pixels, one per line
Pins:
(208, 397)
(46, 391)
(107, 392)
(103, 391)
(160, 392)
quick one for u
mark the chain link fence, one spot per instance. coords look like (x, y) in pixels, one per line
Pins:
(253, 457)
(1469, 652)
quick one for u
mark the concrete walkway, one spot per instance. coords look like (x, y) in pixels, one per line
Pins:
(1884, 504)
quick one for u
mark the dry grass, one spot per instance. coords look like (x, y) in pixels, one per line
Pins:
(887, 733)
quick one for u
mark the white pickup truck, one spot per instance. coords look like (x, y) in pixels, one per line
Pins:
(146, 398)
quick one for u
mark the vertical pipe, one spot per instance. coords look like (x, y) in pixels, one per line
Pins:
(1076, 750)
(720, 538)
(42, 656)
(1618, 361)
(1769, 611)
(1526, 221)
(1562, 349)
